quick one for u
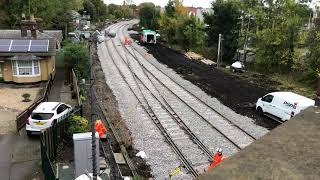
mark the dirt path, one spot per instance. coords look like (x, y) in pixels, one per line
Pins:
(230, 90)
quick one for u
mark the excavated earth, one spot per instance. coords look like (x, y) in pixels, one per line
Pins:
(110, 104)
(230, 90)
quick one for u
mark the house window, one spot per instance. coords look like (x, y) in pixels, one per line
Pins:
(25, 68)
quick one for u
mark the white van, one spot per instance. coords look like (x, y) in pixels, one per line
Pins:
(282, 105)
(148, 37)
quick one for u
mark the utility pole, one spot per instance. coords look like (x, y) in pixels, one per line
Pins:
(245, 42)
(219, 50)
(309, 24)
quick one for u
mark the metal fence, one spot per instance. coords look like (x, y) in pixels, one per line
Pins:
(21, 118)
(50, 140)
(48, 144)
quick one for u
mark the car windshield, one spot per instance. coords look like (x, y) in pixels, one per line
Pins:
(41, 116)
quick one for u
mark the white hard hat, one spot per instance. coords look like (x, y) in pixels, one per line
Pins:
(219, 150)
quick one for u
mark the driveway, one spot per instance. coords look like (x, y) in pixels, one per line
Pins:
(20, 156)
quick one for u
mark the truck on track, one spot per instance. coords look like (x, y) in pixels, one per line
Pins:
(282, 105)
(148, 37)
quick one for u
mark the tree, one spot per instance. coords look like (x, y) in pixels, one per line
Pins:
(313, 57)
(190, 34)
(170, 9)
(149, 15)
(277, 37)
(75, 57)
(224, 20)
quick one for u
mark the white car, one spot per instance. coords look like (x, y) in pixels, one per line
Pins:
(282, 105)
(45, 115)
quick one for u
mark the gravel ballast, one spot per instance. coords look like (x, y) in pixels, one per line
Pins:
(146, 136)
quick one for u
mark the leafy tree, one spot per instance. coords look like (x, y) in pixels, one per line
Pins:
(149, 15)
(224, 20)
(277, 38)
(76, 56)
(170, 9)
(313, 57)
(191, 33)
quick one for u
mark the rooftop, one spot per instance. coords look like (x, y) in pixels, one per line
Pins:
(46, 107)
(290, 151)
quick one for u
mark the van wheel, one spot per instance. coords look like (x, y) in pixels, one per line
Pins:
(260, 111)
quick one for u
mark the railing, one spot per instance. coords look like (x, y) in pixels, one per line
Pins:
(21, 118)
(50, 139)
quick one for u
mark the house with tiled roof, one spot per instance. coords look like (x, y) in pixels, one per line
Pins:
(28, 55)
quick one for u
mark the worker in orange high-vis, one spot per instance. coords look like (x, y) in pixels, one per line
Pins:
(217, 158)
(100, 128)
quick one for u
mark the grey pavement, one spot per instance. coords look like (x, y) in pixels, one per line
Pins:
(57, 86)
(20, 156)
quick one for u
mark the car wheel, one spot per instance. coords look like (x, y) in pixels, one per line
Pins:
(29, 133)
(260, 111)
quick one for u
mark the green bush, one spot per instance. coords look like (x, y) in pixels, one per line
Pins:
(76, 56)
(76, 124)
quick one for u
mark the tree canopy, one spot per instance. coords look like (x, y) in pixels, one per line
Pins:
(224, 20)
(149, 15)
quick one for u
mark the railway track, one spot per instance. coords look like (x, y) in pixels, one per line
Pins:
(166, 121)
(204, 111)
(160, 97)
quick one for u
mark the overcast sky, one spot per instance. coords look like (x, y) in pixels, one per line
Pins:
(162, 3)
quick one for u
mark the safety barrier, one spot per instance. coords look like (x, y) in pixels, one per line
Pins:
(21, 118)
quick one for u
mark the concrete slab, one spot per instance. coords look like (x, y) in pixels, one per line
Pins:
(291, 151)
(119, 158)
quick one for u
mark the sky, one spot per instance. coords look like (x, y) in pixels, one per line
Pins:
(162, 3)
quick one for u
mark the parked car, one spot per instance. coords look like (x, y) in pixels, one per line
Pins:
(45, 115)
(282, 105)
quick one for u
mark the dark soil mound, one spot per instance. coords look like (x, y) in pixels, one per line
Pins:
(230, 90)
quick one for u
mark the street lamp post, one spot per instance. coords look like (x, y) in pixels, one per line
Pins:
(245, 46)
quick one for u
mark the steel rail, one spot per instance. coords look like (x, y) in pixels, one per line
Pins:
(152, 116)
(169, 110)
(201, 101)
(204, 119)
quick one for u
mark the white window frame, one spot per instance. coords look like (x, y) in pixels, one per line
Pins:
(15, 69)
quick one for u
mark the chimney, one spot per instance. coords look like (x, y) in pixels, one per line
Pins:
(30, 25)
(39, 24)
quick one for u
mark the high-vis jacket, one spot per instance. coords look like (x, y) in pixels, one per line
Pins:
(216, 160)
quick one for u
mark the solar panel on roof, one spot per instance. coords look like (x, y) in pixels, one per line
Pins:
(38, 49)
(39, 42)
(4, 48)
(5, 42)
(20, 45)
(39, 46)
(5, 45)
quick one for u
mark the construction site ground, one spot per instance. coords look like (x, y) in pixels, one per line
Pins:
(230, 90)
(290, 151)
